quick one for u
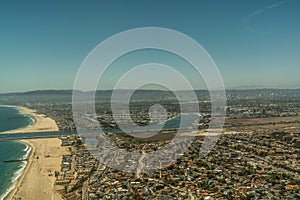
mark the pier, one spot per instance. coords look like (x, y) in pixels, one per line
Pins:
(18, 160)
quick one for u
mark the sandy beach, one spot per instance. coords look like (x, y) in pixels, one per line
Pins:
(42, 123)
(37, 181)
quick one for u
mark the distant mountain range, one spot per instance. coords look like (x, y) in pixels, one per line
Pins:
(140, 92)
(57, 96)
(70, 91)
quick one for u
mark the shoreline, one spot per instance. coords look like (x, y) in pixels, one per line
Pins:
(38, 180)
(31, 171)
(41, 122)
(18, 174)
(13, 191)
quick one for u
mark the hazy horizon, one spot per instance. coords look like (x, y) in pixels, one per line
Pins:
(155, 89)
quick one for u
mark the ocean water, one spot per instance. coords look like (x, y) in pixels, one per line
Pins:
(11, 119)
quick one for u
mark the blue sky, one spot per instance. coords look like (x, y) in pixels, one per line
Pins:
(254, 43)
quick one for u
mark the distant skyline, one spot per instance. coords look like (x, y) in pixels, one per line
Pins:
(255, 44)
